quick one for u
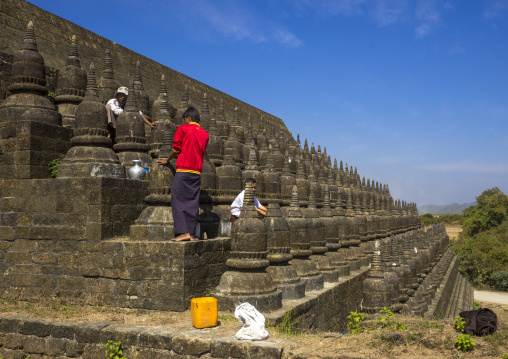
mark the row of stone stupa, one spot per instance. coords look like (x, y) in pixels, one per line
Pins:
(286, 256)
(276, 160)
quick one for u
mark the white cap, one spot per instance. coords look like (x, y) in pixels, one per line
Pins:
(123, 90)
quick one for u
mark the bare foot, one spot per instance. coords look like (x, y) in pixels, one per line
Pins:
(182, 237)
(192, 238)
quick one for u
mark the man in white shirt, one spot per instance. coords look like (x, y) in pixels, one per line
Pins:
(115, 107)
(236, 206)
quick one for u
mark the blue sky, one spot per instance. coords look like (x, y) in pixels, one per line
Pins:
(413, 93)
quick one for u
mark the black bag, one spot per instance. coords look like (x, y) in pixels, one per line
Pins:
(479, 322)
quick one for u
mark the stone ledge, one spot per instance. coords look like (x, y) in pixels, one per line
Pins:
(27, 336)
(327, 308)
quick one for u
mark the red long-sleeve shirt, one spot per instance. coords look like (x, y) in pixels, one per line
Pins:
(190, 142)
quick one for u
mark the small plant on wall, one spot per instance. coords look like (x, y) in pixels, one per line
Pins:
(53, 166)
(114, 350)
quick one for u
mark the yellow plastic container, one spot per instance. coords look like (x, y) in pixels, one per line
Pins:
(204, 312)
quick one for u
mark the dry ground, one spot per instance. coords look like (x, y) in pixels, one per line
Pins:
(421, 338)
(453, 230)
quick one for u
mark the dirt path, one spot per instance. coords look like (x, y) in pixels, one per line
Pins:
(491, 297)
(453, 230)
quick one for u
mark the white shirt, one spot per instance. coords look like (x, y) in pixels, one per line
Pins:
(115, 106)
(236, 206)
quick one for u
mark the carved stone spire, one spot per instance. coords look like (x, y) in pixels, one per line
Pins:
(130, 134)
(229, 178)
(156, 221)
(247, 280)
(376, 291)
(142, 99)
(237, 125)
(248, 140)
(215, 148)
(162, 116)
(317, 235)
(301, 181)
(252, 171)
(163, 98)
(287, 180)
(205, 114)
(263, 149)
(28, 93)
(107, 84)
(222, 125)
(278, 242)
(91, 154)
(300, 246)
(71, 86)
(233, 147)
(271, 177)
(184, 105)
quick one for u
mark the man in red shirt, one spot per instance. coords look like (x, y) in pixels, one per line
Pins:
(189, 144)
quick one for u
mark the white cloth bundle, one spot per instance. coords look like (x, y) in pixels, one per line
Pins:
(253, 323)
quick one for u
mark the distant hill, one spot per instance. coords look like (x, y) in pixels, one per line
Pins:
(454, 208)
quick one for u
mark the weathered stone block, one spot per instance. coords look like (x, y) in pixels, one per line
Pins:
(157, 338)
(35, 327)
(8, 325)
(12, 204)
(90, 332)
(116, 273)
(127, 334)
(74, 348)
(149, 353)
(191, 344)
(63, 330)
(44, 258)
(22, 232)
(13, 341)
(265, 350)
(6, 233)
(18, 257)
(69, 283)
(73, 232)
(54, 346)
(43, 232)
(66, 246)
(145, 273)
(9, 219)
(67, 259)
(33, 344)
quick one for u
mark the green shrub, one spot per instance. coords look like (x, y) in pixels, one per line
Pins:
(481, 255)
(114, 350)
(355, 319)
(464, 342)
(491, 211)
(500, 280)
(387, 317)
(288, 326)
(459, 324)
(53, 166)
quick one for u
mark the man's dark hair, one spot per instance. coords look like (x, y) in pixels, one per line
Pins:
(193, 113)
(250, 180)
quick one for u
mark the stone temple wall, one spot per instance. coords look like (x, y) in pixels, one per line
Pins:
(54, 38)
(332, 242)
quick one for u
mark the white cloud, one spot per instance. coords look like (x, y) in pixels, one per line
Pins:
(495, 9)
(387, 12)
(428, 16)
(466, 166)
(239, 21)
(287, 39)
(456, 50)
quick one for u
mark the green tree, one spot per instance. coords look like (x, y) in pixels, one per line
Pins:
(491, 211)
